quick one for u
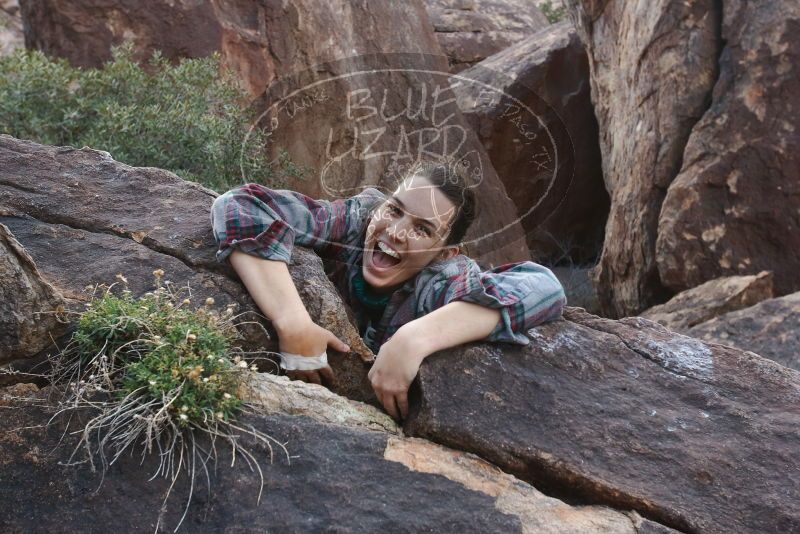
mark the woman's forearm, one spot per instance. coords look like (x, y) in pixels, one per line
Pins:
(453, 324)
(272, 288)
(399, 358)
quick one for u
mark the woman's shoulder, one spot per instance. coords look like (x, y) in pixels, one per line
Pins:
(466, 273)
(368, 194)
(441, 275)
(459, 264)
(362, 204)
(372, 193)
(463, 264)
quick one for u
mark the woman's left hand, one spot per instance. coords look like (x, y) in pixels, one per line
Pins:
(399, 358)
(394, 369)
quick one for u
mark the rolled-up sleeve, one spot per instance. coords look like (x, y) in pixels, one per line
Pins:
(526, 294)
(268, 222)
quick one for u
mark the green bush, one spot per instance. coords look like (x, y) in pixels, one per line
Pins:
(156, 350)
(553, 14)
(152, 372)
(188, 118)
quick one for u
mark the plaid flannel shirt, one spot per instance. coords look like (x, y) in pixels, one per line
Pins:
(268, 223)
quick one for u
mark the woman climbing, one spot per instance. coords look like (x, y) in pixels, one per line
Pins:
(398, 266)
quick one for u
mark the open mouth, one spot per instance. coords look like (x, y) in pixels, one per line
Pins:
(384, 256)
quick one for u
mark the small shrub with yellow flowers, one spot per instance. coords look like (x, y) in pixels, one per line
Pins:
(155, 372)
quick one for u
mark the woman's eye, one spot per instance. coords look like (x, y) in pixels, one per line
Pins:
(423, 230)
(393, 210)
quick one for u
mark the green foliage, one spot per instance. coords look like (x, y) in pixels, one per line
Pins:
(553, 14)
(188, 118)
(158, 351)
(155, 373)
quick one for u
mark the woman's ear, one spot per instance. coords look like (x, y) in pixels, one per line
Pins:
(448, 252)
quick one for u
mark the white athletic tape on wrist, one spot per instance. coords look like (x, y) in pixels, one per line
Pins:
(296, 362)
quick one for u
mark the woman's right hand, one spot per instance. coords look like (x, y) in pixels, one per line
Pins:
(271, 286)
(304, 337)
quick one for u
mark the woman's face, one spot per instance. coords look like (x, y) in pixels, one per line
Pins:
(406, 233)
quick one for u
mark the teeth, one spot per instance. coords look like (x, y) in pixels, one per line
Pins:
(388, 251)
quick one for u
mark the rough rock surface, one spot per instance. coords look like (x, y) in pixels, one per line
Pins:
(15, 392)
(111, 218)
(733, 209)
(707, 301)
(28, 303)
(699, 437)
(279, 395)
(11, 36)
(470, 30)
(770, 329)
(538, 126)
(341, 475)
(84, 31)
(653, 66)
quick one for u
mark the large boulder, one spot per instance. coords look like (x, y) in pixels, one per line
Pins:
(653, 66)
(733, 208)
(533, 112)
(350, 474)
(111, 218)
(29, 305)
(699, 437)
(712, 299)
(695, 102)
(319, 96)
(11, 36)
(84, 31)
(470, 31)
(770, 329)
